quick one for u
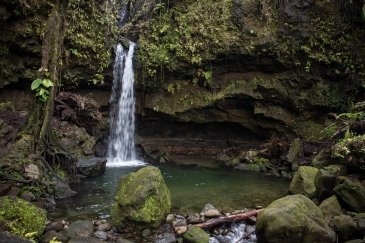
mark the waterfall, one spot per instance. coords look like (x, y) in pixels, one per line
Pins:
(121, 149)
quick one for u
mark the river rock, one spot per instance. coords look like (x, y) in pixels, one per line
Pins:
(304, 182)
(331, 207)
(195, 219)
(210, 211)
(352, 192)
(293, 218)
(194, 234)
(166, 238)
(102, 235)
(181, 230)
(170, 218)
(56, 226)
(345, 226)
(248, 167)
(51, 234)
(103, 227)
(6, 237)
(91, 167)
(142, 198)
(326, 179)
(62, 189)
(81, 229)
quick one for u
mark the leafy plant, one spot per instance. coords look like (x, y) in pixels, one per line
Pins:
(42, 88)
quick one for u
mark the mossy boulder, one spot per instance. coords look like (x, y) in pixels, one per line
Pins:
(293, 218)
(304, 182)
(21, 217)
(331, 207)
(294, 153)
(345, 226)
(352, 192)
(194, 234)
(326, 179)
(142, 198)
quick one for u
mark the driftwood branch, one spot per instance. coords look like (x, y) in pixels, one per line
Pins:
(228, 219)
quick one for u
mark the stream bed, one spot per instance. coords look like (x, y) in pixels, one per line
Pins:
(191, 188)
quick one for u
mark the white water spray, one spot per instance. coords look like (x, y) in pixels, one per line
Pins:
(121, 150)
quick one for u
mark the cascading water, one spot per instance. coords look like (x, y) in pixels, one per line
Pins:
(121, 151)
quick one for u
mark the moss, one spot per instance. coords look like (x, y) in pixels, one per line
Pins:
(194, 234)
(142, 197)
(21, 217)
(304, 182)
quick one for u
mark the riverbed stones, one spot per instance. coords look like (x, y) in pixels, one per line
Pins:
(166, 238)
(51, 234)
(56, 226)
(352, 192)
(210, 211)
(91, 167)
(142, 199)
(81, 229)
(293, 218)
(102, 235)
(194, 234)
(103, 227)
(304, 182)
(331, 207)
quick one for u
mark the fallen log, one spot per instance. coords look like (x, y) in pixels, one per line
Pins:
(228, 219)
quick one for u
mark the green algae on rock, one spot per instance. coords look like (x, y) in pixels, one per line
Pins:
(21, 217)
(142, 198)
(304, 182)
(293, 219)
(194, 234)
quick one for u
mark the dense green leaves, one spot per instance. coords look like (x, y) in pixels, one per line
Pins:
(41, 87)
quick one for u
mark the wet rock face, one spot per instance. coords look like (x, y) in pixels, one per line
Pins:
(91, 167)
(142, 199)
(293, 219)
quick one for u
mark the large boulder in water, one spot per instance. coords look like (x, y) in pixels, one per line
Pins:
(304, 182)
(142, 198)
(293, 219)
(91, 167)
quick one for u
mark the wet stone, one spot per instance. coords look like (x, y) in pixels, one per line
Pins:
(56, 226)
(101, 235)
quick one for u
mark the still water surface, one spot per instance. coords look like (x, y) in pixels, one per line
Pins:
(191, 188)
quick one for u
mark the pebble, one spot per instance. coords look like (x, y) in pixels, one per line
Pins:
(170, 218)
(195, 219)
(103, 227)
(56, 226)
(178, 223)
(101, 235)
(181, 230)
(146, 232)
